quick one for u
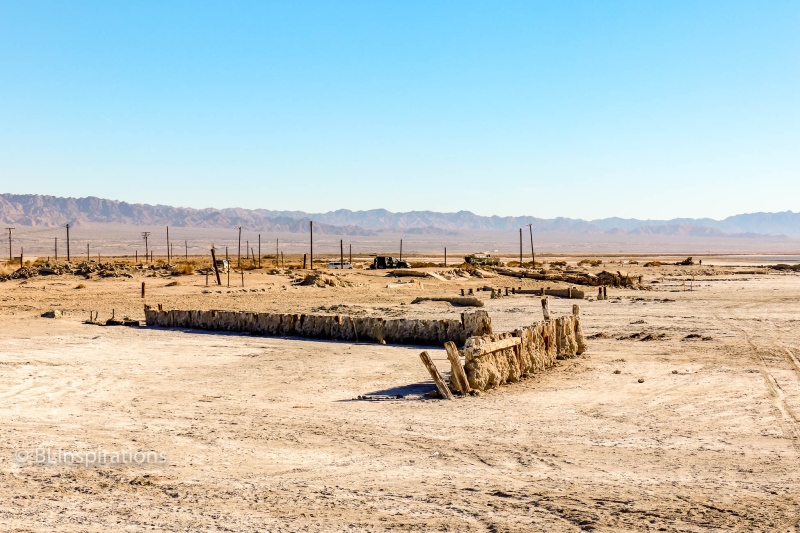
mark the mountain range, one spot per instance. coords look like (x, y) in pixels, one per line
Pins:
(41, 210)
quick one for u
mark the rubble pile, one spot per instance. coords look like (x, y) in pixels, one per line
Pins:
(318, 279)
(616, 279)
(21, 273)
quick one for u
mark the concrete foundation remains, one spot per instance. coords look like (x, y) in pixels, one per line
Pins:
(433, 332)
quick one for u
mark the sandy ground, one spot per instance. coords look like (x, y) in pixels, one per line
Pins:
(264, 434)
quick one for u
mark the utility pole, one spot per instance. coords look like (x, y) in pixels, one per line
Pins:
(247, 249)
(229, 266)
(145, 234)
(341, 254)
(351, 254)
(169, 250)
(88, 257)
(533, 255)
(9, 244)
(311, 225)
(239, 252)
(520, 247)
(56, 249)
(259, 251)
(445, 256)
(67, 243)
(401, 249)
(277, 251)
(186, 246)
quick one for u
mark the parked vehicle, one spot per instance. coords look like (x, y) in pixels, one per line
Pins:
(223, 265)
(481, 259)
(339, 265)
(386, 261)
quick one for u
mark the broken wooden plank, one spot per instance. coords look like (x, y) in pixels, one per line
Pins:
(455, 300)
(444, 390)
(457, 368)
(496, 346)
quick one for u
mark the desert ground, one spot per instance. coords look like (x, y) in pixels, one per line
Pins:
(682, 415)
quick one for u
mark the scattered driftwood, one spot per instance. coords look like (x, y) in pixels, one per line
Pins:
(405, 273)
(444, 390)
(465, 301)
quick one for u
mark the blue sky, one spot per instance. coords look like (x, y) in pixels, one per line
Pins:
(581, 109)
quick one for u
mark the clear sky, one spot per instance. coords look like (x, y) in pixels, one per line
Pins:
(647, 109)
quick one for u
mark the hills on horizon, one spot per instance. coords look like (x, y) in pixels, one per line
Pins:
(42, 210)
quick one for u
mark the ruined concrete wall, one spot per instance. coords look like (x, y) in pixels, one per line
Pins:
(541, 344)
(333, 327)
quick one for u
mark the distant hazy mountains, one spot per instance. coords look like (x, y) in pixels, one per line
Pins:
(37, 210)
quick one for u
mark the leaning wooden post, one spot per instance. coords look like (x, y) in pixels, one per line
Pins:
(444, 390)
(605, 293)
(214, 263)
(546, 307)
(143, 289)
(457, 368)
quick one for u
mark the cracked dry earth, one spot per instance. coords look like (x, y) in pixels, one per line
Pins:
(262, 434)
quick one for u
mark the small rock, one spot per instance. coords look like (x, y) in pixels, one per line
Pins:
(674, 371)
(618, 371)
(641, 380)
(55, 313)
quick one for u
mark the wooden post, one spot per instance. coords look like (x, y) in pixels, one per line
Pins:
(533, 255)
(311, 254)
(341, 254)
(259, 250)
(137, 256)
(67, 243)
(605, 293)
(169, 250)
(351, 255)
(546, 307)
(445, 256)
(21, 252)
(186, 251)
(238, 253)
(304, 261)
(401, 249)
(247, 249)
(56, 249)
(87, 253)
(214, 263)
(444, 390)
(520, 247)
(599, 293)
(242, 277)
(277, 248)
(283, 265)
(229, 265)
(457, 368)
(143, 287)
(576, 309)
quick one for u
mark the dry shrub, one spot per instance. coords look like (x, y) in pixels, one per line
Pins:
(423, 264)
(184, 269)
(633, 262)
(653, 264)
(173, 283)
(80, 286)
(558, 263)
(590, 262)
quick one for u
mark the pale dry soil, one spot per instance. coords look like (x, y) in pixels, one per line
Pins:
(264, 434)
